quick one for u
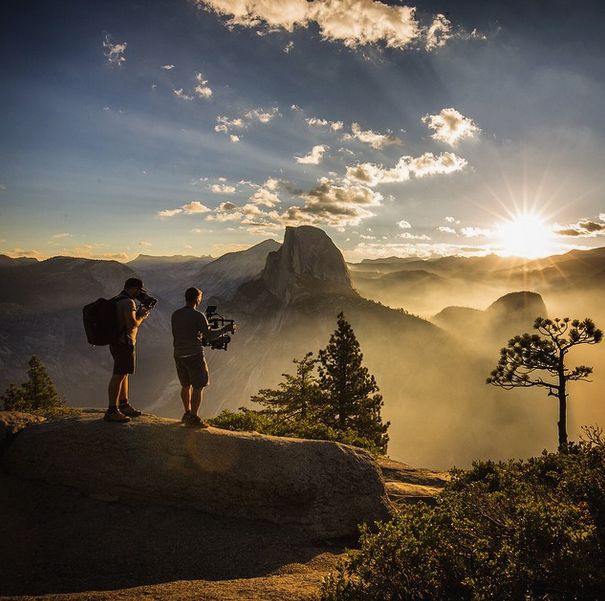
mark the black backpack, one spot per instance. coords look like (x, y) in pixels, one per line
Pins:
(101, 321)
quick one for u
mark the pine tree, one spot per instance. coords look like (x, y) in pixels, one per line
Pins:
(351, 395)
(296, 397)
(37, 394)
(540, 360)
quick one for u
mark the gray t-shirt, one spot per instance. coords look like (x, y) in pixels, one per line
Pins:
(188, 327)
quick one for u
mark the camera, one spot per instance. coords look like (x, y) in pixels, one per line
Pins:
(216, 321)
(146, 301)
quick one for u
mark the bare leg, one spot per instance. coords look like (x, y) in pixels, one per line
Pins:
(186, 398)
(124, 389)
(196, 400)
(114, 388)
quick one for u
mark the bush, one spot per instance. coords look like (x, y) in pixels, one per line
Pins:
(266, 422)
(522, 530)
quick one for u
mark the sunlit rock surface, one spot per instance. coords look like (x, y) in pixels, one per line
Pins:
(324, 488)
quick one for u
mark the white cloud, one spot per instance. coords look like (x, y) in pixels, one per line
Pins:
(169, 212)
(314, 157)
(114, 53)
(409, 236)
(266, 197)
(404, 225)
(195, 206)
(226, 125)
(167, 67)
(438, 33)
(333, 204)
(316, 122)
(374, 139)
(145, 243)
(426, 164)
(202, 90)
(182, 95)
(288, 47)
(476, 232)
(450, 126)
(61, 235)
(450, 219)
(190, 208)
(446, 229)
(222, 189)
(584, 228)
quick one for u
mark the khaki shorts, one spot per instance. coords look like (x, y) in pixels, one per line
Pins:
(192, 371)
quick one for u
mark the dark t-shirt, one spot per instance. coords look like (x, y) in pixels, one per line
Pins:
(188, 327)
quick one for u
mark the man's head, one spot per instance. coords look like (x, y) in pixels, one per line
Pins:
(133, 286)
(193, 297)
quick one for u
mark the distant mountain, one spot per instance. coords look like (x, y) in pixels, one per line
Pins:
(511, 314)
(308, 262)
(222, 277)
(7, 262)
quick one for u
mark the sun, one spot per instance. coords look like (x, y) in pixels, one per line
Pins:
(525, 235)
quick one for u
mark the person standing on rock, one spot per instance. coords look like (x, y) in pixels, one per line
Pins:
(189, 327)
(123, 351)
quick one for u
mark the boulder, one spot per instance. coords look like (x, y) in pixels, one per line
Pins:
(324, 488)
(12, 422)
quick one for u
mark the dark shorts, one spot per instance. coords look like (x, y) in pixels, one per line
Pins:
(192, 371)
(123, 358)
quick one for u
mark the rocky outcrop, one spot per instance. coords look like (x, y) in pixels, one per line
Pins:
(11, 422)
(307, 261)
(324, 488)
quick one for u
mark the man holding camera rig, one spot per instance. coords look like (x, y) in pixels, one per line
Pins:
(123, 351)
(189, 328)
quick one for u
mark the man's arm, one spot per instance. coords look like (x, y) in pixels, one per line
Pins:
(132, 318)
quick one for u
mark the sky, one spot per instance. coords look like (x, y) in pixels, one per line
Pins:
(201, 127)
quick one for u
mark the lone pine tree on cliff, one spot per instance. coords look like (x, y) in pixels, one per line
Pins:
(539, 360)
(350, 398)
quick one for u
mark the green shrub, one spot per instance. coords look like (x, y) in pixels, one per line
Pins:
(522, 530)
(266, 422)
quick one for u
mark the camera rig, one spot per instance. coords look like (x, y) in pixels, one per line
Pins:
(216, 322)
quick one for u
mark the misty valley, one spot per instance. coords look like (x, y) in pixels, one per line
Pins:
(430, 332)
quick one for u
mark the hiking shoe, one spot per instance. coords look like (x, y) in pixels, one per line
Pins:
(128, 410)
(185, 417)
(114, 415)
(195, 421)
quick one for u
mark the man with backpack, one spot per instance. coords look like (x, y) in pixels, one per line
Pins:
(189, 328)
(123, 351)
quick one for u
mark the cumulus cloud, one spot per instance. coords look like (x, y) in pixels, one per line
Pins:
(202, 90)
(374, 139)
(409, 236)
(190, 208)
(180, 93)
(222, 188)
(314, 157)
(450, 219)
(335, 204)
(584, 228)
(450, 126)
(353, 23)
(167, 67)
(226, 125)
(404, 225)
(438, 32)
(316, 122)
(114, 53)
(446, 229)
(265, 197)
(407, 166)
(476, 232)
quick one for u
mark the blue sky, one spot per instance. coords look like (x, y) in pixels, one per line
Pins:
(182, 127)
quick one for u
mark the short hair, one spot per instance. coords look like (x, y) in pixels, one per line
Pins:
(192, 294)
(133, 283)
